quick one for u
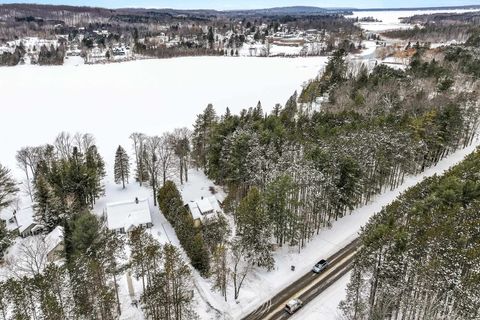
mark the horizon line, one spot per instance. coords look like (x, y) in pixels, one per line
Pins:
(251, 9)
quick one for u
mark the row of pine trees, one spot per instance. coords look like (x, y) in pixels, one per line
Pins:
(420, 255)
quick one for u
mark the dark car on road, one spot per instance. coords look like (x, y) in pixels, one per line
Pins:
(320, 266)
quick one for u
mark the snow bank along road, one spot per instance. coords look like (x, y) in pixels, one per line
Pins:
(309, 286)
(273, 309)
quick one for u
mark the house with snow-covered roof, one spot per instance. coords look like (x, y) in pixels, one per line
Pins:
(55, 244)
(123, 217)
(22, 222)
(203, 208)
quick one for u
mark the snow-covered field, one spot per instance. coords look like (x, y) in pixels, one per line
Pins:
(391, 19)
(151, 96)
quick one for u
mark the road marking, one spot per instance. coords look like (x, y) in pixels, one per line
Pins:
(311, 285)
(303, 278)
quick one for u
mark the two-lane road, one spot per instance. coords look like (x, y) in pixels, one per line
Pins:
(309, 286)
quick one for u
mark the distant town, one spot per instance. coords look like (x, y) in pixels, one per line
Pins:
(52, 35)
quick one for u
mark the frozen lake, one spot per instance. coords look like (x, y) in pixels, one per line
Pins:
(151, 96)
(391, 19)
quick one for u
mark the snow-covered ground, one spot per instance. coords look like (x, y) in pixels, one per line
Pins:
(391, 19)
(73, 61)
(151, 96)
(198, 186)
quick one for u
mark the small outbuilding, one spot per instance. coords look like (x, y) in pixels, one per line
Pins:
(202, 209)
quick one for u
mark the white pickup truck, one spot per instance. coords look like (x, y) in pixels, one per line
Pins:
(293, 305)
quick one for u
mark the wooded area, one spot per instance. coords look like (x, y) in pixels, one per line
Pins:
(420, 255)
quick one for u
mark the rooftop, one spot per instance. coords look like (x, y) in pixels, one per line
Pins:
(128, 214)
(54, 238)
(203, 207)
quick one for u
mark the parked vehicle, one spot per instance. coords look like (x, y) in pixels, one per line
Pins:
(320, 266)
(293, 305)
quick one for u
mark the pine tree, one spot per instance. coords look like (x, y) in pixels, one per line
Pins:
(170, 201)
(48, 207)
(90, 250)
(168, 292)
(5, 238)
(280, 206)
(254, 229)
(8, 187)
(201, 136)
(95, 167)
(122, 166)
(198, 254)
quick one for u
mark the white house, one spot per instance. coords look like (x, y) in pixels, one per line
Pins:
(22, 221)
(55, 244)
(203, 208)
(122, 217)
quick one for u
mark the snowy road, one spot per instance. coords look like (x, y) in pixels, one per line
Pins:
(309, 286)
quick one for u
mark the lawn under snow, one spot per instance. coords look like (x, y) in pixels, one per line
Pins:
(198, 186)
(151, 96)
(391, 19)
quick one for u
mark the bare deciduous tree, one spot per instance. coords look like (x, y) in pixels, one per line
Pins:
(138, 146)
(83, 141)
(64, 145)
(241, 267)
(165, 156)
(152, 163)
(31, 257)
(180, 141)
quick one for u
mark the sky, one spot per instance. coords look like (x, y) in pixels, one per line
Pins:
(252, 4)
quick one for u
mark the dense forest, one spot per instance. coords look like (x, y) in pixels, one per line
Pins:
(420, 255)
(293, 171)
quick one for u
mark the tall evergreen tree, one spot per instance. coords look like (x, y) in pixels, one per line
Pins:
(8, 187)
(254, 229)
(5, 238)
(122, 166)
(201, 136)
(90, 252)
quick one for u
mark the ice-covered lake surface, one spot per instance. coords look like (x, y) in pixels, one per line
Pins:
(151, 96)
(391, 19)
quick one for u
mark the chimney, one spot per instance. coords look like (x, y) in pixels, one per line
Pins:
(136, 200)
